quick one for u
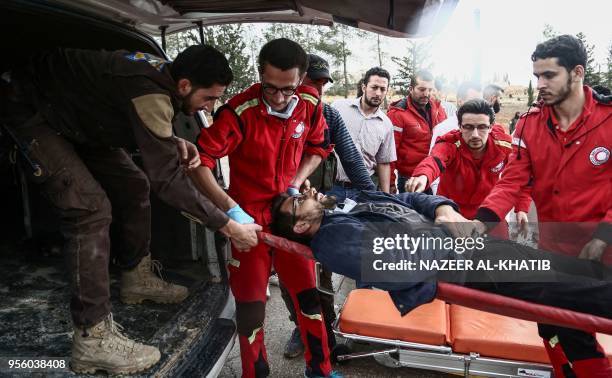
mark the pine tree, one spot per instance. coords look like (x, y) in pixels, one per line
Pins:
(591, 76)
(608, 74)
(416, 59)
(530, 94)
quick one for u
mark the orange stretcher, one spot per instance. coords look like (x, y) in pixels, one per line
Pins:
(452, 334)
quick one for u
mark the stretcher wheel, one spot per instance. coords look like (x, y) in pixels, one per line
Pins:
(340, 350)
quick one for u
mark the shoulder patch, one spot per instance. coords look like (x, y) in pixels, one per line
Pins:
(155, 61)
(156, 112)
(245, 105)
(503, 143)
(458, 143)
(310, 98)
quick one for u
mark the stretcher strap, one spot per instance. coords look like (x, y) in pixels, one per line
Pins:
(481, 300)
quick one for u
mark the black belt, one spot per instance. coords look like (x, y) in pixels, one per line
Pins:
(344, 184)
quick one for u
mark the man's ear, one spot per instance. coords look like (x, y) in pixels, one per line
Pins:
(578, 72)
(183, 87)
(301, 227)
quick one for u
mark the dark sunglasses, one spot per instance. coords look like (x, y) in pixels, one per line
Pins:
(297, 201)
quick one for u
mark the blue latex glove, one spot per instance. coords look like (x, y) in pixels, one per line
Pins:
(293, 191)
(239, 215)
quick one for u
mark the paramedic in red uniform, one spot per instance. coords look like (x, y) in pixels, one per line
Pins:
(564, 145)
(275, 136)
(469, 162)
(413, 118)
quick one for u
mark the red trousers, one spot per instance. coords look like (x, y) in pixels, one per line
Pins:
(249, 273)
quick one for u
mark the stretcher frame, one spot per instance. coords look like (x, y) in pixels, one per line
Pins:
(441, 357)
(437, 357)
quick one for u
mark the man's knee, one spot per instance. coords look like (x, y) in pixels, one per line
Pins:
(250, 318)
(310, 304)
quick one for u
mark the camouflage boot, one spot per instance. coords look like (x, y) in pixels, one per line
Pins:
(142, 283)
(104, 347)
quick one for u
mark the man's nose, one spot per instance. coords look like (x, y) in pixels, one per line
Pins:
(278, 97)
(541, 83)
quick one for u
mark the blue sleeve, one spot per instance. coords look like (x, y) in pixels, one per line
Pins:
(350, 157)
(425, 204)
(338, 247)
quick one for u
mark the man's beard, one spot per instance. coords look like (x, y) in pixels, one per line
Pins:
(329, 202)
(563, 93)
(186, 102)
(370, 103)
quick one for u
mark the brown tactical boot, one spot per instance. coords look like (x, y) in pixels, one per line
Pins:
(104, 347)
(142, 283)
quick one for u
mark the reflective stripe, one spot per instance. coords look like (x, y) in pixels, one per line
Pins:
(519, 142)
(503, 143)
(310, 98)
(246, 105)
(312, 317)
(252, 337)
(191, 217)
(553, 341)
(234, 262)
(398, 129)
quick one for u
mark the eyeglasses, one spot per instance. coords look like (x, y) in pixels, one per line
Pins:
(297, 201)
(480, 128)
(271, 90)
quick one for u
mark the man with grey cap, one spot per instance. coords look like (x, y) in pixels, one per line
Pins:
(317, 76)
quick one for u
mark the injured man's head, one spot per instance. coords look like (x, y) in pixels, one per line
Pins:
(299, 217)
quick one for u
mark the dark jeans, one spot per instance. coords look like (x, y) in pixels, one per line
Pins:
(342, 193)
(327, 304)
(81, 183)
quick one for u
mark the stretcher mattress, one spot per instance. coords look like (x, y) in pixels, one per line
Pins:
(372, 313)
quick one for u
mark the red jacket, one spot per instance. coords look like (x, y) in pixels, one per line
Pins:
(412, 134)
(572, 176)
(463, 179)
(264, 151)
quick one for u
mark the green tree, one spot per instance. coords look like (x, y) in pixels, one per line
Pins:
(530, 94)
(591, 76)
(304, 35)
(417, 58)
(608, 75)
(549, 32)
(229, 39)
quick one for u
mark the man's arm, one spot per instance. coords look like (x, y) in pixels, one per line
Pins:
(307, 165)
(385, 156)
(508, 189)
(383, 170)
(151, 119)
(350, 158)
(430, 168)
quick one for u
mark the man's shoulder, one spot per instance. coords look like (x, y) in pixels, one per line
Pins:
(343, 103)
(246, 99)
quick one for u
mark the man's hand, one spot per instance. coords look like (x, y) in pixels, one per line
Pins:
(416, 184)
(593, 250)
(456, 223)
(243, 236)
(190, 157)
(305, 186)
(523, 223)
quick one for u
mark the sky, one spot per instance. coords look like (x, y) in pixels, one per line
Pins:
(509, 32)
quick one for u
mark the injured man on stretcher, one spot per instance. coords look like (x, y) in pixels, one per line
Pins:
(383, 230)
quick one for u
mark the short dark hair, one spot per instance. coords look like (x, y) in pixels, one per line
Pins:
(376, 71)
(476, 106)
(203, 66)
(492, 90)
(464, 87)
(421, 74)
(283, 54)
(568, 50)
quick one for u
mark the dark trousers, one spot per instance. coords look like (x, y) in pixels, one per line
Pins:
(81, 183)
(327, 304)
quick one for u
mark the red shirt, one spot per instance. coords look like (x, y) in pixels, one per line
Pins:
(264, 150)
(463, 178)
(572, 176)
(412, 134)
